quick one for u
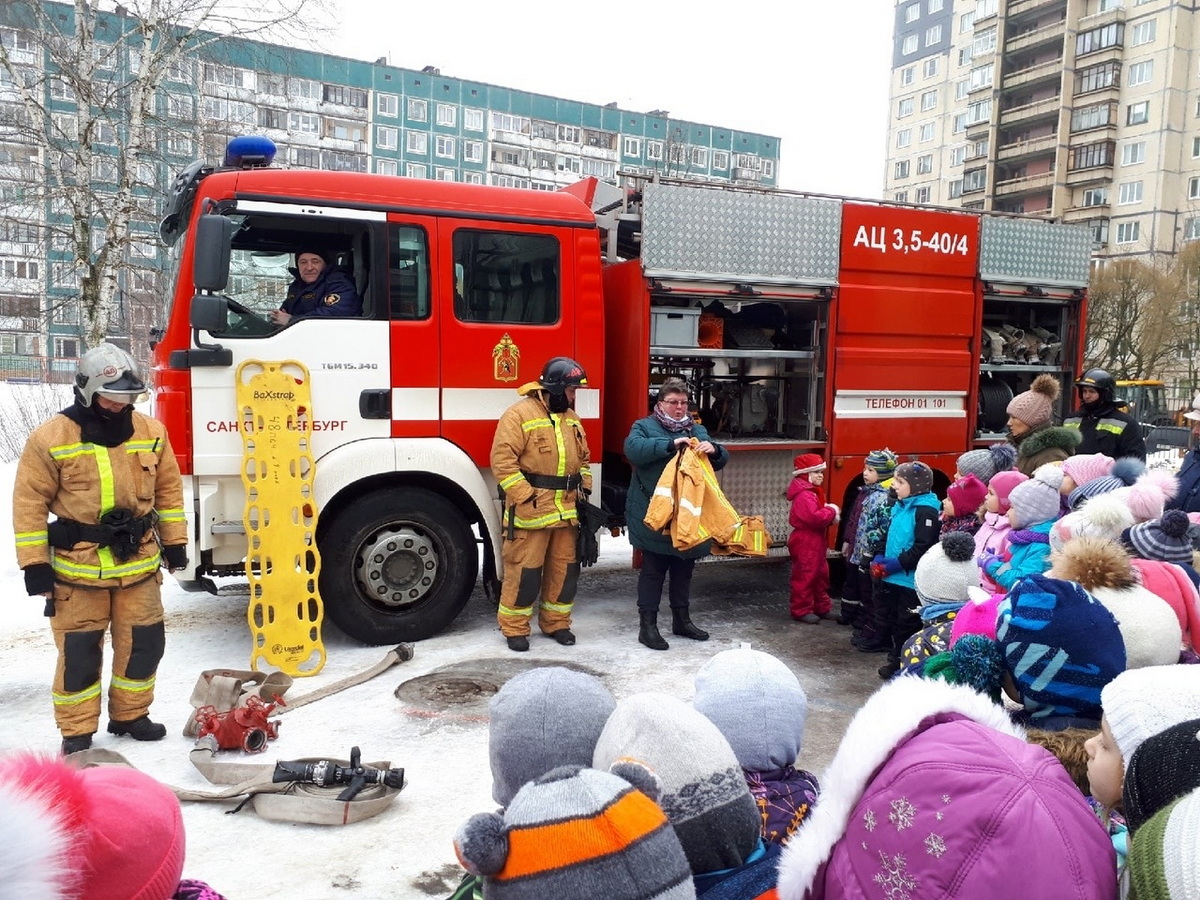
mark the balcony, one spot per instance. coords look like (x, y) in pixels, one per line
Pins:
(1091, 175)
(1084, 213)
(1042, 72)
(1036, 38)
(1027, 148)
(1026, 184)
(1028, 7)
(1030, 112)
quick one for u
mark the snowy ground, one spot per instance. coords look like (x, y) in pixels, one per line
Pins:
(436, 730)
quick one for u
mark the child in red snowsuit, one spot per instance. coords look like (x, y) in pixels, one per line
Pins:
(810, 518)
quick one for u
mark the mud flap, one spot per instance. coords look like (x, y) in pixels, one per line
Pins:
(280, 516)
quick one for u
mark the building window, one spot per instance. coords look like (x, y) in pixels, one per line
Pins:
(974, 180)
(964, 56)
(925, 164)
(1128, 232)
(1094, 116)
(387, 105)
(1095, 197)
(1129, 192)
(902, 169)
(344, 96)
(514, 124)
(1143, 33)
(967, 22)
(1191, 229)
(473, 151)
(473, 119)
(956, 188)
(900, 196)
(984, 42)
(303, 89)
(912, 12)
(1141, 73)
(654, 151)
(768, 168)
(929, 68)
(1134, 153)
(304, 123)
(385, 166)
(961, 89)
(982, 76)
(903, 137)
(441, 173)
(1196, 148)
(66, 348)
(414, 170)
(700, 157)
(1137, 113)
(1091, 156)
(922, 195)
(418, 142)
(386, 138)
(444, 147)
(960, 123)
(631, 147)
(979, 111)
(933, 35)
(447, 115)
(1100, 38)
(720, 159)
(1194, 188)
(926, 132)
(418, 111)
(306, 157)
(929, 101)
(904, 108)
(906, 75)
(1095, 78)
(909, 44)
(935, 6)
(345, 129)
(958, 155)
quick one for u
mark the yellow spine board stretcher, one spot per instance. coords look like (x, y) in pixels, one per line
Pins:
(282, 561)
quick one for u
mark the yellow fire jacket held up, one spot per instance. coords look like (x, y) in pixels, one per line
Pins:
(60, 474)
(688, 501)
(531, 439)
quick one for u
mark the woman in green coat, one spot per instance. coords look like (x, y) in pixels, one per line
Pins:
(652, 442)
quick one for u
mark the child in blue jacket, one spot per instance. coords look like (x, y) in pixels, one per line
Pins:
(1033, 510)
(913, 529)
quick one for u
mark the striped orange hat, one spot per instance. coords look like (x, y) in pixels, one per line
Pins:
(576, 834)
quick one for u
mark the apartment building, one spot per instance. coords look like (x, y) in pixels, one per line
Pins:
(323, 111)
(1088, 110)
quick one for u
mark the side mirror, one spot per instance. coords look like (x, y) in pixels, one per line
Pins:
(210, 261)
(209, 312)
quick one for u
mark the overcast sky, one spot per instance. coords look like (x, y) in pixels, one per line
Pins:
(815, 74)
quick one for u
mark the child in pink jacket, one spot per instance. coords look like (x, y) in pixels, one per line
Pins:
(810, 518)
(993, 534)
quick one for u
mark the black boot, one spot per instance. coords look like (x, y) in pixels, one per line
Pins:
(75, 744)
(140, 729)
(681, 624)
(648, 633)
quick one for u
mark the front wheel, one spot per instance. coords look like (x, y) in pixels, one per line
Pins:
(397, 565)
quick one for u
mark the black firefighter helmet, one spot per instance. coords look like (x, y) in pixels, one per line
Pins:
(1101, 382)
(561, 373)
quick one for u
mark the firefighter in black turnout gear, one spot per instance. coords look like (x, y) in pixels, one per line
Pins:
(1102, 427)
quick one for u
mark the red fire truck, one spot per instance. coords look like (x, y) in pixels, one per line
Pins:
(802, 323)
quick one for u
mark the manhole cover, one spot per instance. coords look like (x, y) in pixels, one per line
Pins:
(467, 686)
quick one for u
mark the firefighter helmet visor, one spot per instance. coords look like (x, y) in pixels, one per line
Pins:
(111, 372)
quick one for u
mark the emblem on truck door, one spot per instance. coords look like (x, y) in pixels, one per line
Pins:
(505, 356)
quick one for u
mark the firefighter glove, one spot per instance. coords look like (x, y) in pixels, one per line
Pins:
(39, 579)
(176, 556)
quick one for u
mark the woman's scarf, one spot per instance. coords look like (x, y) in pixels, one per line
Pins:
(675, 426)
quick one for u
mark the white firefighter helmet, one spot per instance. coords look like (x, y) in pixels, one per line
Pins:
(110, 372)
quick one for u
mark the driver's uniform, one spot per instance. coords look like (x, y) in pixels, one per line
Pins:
(331, 295)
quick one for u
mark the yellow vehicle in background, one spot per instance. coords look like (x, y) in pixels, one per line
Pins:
(1145, 400)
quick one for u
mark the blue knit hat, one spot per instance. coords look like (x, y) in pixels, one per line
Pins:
(1060, 645)
(1125, 471)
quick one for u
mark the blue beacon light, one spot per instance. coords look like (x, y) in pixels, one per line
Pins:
(249, 152)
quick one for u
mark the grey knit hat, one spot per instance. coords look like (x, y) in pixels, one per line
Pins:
(704, 791)
(947, 569)
(987, 461)
(757, 703)
(918, 476)
(541, 719)
(1037, 500)
(1165, 538)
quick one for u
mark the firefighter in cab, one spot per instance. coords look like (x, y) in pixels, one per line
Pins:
(540, 461)
(319, 290)
(107, 475)
(1102, 427)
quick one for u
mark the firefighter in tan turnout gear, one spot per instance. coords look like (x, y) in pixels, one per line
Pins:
(540, 460)
(107, 473)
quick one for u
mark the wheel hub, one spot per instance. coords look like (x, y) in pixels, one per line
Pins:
(397, 566)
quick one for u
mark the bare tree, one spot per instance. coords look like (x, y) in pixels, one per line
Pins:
(1134, 318)
(87, 102)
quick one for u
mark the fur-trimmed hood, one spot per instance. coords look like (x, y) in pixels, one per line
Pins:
(893, 714)
(932, 793)
(1048, 437)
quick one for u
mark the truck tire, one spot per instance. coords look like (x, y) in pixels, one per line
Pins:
(397, 565)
